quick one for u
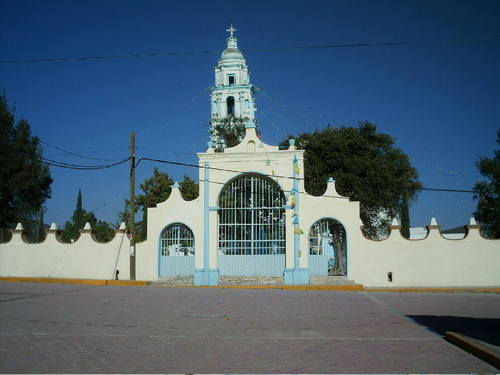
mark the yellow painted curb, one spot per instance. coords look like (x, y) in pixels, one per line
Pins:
(347, 288)
(73, 281)
(475, 347)
(435, 290)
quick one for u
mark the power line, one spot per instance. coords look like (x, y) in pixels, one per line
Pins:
(94, 167)
(269, 49)
(270, 175)
(60, 164)
(76, 154)
(450, 190)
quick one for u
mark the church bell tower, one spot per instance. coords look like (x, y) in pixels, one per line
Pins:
(233, 96)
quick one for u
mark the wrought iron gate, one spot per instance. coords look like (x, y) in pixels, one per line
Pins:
(327, 248)
(251, 227)
(176, 251)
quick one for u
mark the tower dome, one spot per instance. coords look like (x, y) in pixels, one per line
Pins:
(232, 96)
(232, 54)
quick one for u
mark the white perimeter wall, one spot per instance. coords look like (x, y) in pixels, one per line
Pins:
(83, 259)
(431, 262)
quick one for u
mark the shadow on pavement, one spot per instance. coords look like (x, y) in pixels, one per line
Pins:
(484, 329)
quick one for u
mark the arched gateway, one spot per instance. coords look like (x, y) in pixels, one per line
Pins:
(327, 248)
(251, 227)
(176, 251)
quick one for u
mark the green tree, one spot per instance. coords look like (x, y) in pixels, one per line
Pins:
(367, 167)
(488, 194)
(124, 217)
(227, 132)
(189, 188)
(71, 232)
(24, 179)
(156, 189)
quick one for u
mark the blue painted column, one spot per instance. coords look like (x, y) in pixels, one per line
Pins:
(297, 274)
(206, 276)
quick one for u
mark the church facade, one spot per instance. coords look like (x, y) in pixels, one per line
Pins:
(253, 216)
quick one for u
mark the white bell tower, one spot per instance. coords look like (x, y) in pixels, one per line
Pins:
(233, 94)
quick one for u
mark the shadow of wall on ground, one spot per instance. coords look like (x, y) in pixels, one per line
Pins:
(484, 329)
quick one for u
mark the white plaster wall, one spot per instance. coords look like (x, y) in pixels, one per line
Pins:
(265, 159)
(431, 262)
(330, 205)
(83, 259)
(174, 210)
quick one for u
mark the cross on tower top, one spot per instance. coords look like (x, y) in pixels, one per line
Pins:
(231, 31)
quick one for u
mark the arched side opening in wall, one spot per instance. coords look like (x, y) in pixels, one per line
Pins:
(176, 251)
(251, 227)
(327, 248)
(230, 105)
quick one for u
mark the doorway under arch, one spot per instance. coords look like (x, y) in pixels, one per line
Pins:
(176, 251)
(251, 227)
(327, 248)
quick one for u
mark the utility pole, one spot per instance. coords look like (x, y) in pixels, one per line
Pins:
(132, 206)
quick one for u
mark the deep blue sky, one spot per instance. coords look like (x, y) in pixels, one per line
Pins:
(440, 102)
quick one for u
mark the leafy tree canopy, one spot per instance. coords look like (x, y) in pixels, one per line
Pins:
(24, 180)
(367, 168)
(156, 189)
(101, 229)
(488, 194)
(227, 131)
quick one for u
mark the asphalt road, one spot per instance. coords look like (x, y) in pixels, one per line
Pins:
(58, 328)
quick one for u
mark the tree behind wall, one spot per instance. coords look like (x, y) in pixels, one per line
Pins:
(24, 179)
(156, 189)
(367, 168)
(488, 194)
(71, 232)
(227, 131)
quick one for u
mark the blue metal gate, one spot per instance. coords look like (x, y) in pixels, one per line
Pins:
(252, 265)
(176, 251)
(172, 266)
(327, 248)
(318, 265)
(251, 227)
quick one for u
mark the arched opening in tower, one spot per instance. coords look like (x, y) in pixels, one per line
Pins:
(230, 106)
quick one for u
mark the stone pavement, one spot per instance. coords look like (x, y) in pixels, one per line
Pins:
(63, 328)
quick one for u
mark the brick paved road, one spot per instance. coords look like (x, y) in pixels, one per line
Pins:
(61, 328)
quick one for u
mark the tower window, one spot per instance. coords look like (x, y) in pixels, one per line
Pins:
(230, 106)
(231, 79)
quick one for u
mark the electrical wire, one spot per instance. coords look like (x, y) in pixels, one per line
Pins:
(76, 154)
(269, 175)
(269, 49)
(95, 167)
(60, 164)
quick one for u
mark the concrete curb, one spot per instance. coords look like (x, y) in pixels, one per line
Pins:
(73, 281)
(346, 288)
(472, 346)
(436, 290)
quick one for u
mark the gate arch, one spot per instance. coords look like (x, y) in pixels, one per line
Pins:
(251, 227)
(177, 249)
(327, 248)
